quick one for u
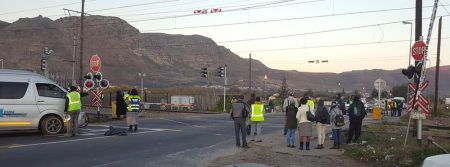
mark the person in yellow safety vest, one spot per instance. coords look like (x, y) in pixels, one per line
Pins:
(310, 103)
(133, 102)
(72, 107)
(257, 118)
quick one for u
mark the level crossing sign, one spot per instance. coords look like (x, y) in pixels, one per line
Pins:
(421, 101)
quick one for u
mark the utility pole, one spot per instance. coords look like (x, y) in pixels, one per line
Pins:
(81, 44)
(250, 74)
(418, 35)
(224, 88)
(74, 82)
(436, 82)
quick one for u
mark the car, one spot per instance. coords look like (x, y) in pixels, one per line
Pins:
(29, 101)
(442, 160)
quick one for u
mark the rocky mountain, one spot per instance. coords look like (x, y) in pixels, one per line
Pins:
(168, 60)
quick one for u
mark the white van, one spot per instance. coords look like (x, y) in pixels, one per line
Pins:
(30, 101)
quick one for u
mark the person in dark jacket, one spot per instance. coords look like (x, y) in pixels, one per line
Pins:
(356, 113)
(121, 107)
(323, 120)
(239, 114)
(291, 124)
(341, 103)
(250, 102)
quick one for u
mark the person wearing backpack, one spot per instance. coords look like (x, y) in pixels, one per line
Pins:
(322, 120)
(340, 103)
(239, 114)
(291, 113)
(290, 99)
(356, 113)
(304, 124)
(337, 121)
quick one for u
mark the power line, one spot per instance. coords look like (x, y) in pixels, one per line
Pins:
(327, 46)
(287, 19)
(260, 6)
(45, 7)
(215, 6)
(128, 6)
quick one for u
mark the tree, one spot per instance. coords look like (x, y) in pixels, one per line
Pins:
(400, 91)
(374, 93)
(384, 94)
(283, 89)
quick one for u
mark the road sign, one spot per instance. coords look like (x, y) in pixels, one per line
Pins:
(413, 86)
(421, 101)
(379, 84)
(418, 50)
(95, 63)
(96, 98)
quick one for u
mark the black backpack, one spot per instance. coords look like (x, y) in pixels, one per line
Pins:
(339, 119)
(310, 116)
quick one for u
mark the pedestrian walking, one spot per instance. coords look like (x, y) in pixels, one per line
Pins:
(133, 102)
(257, 118)
(290, 99)
(357, 112)
(121, 106)
(393, 105)
(291, 114)
(304, 125)
(335, 115)
(386, 108)
(271, 105)
(322, 120)
(239, 114)
(72, 108)
(399, 108)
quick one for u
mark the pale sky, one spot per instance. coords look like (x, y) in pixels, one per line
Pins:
(312, 35)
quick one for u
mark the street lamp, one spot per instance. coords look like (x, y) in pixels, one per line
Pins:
(142, 76)
(410, 40)
(265, 80)
(2, 62)
(409, 55)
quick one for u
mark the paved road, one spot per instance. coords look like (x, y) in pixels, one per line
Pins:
(179, 141)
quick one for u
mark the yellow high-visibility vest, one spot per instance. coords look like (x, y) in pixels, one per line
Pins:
(257, 113)
(74, 101)
(133, 102)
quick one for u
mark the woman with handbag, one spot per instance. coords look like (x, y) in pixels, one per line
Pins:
(304, 125)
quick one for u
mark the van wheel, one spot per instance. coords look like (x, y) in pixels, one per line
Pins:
(51, 125)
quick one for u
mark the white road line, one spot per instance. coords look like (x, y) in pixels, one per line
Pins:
(92, 138)
(107, 163)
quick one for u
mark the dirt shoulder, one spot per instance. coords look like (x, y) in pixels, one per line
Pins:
(273, 151)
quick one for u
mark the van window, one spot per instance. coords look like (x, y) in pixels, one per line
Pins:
(13, 90)
(49, 90)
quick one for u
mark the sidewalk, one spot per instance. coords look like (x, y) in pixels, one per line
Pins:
(273, 151)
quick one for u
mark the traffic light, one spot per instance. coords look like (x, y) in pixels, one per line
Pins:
(104, 83)
(89, 76)
(221, 72)
(205, 72)
(413, 70)
(98, 76)
(409, 72)
(43, 64)
(88, 84)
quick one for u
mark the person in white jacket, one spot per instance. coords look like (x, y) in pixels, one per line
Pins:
(304, 126)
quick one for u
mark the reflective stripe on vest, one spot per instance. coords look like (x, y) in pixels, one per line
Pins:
(133, 102)
(257, 113)
(74, 101)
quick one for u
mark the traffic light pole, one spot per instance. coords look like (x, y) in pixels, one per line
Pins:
(224, 88)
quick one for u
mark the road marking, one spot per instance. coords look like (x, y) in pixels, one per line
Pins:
(92, 138)
(107, 163)
(197, 126)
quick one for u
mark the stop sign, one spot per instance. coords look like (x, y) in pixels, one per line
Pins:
(95, 63)
(418, 50)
